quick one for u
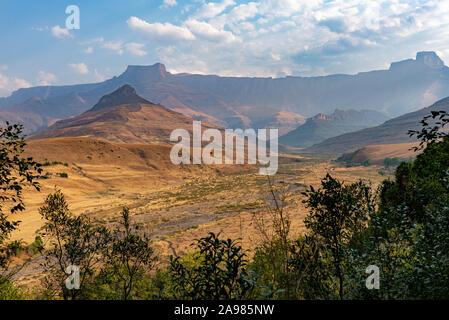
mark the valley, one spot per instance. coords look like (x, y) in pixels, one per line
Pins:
(174, 205)
(117, 154)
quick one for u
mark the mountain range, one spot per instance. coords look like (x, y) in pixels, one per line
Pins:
(321, 126)
(393, 131)
(242, 101)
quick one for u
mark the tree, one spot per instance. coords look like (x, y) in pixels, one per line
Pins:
(308, 269)
(218, 272)
(72, 241)
(431, 131)
(271, 259)
(16, 172)
(420, 184)
(391, 162)
(366, 163)
(338, 213)
(128, 258)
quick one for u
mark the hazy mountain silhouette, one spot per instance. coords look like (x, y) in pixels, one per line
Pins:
(390, 132)
(321, 126)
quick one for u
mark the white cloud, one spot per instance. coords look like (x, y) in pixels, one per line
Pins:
(169, 3)
(163, 32)
(203, 30)
(116, 46)
(39, 29)
(135, 48)
(212, 9)
(10, 84)
(244, 11)
(61, 33)
(3, 67)
(92, 41)
(300, 37)
(45, 78)
(98, 77)
(80, 68)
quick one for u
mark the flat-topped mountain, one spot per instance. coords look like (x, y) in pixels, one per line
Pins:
(390, 132)
(122, 116)
(321, 126)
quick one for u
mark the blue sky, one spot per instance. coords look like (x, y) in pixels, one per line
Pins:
(227, 37)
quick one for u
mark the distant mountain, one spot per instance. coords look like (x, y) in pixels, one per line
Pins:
(322, 127)
(37, 113)
(122, 116)
(391, 132)
(263, 117)
(406, 86)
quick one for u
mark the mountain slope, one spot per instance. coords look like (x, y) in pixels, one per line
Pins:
(390, 132)
(377, 153)
(121, 116)
(321, 127)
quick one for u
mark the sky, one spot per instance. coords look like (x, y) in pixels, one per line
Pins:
(258, 38)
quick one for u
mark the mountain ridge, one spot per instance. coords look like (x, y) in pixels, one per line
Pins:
(321, 126)
(393, 131)
(408, 85)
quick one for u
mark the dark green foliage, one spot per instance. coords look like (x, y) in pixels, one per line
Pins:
(431, 131)
(338, 213)
(407, 237)
(420, 184)
(9, 291)
(270, 263)
(366, 163)
(37, 246)
(48, 163)
(217, 272)
(15, 173)
(308, 265)
(71, 240)
(391, 162)
(129, 258)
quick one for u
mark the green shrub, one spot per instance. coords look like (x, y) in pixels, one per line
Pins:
(37, 246)
(392, 162)
(218, 271)
(9, 291)
(366, 163)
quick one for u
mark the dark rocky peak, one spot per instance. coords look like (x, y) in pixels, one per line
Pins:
(123, 95)
(319, 116)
